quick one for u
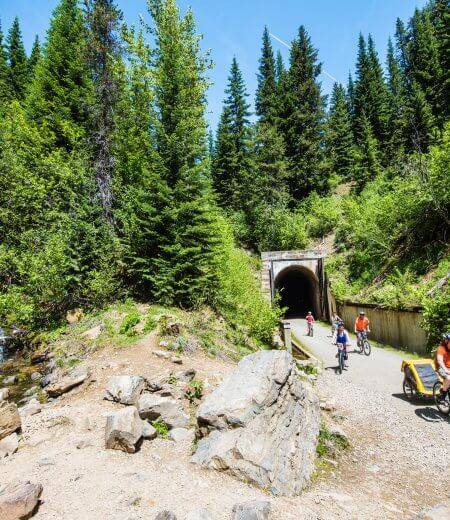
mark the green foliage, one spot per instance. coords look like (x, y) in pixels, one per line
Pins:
(194, 390)
(129, 323)
(329, 444)
(238, 294)
(18, 63)
(436, 313)
(161, 428)
(266, 94)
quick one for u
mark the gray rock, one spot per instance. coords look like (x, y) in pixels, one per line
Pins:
(93, 334)
(177, 360)
(48, 379)
(170, 391)
(9, 445)
(148, 431)
(261, 424)
(199, 514)
(125, 389)
(182, 435)
(152, 406)
(31, 391)
(185, 375)
(10, 380)
(165, 515)
(154, 385)
(18, 500)
(4, 394)
(253, 510)
(75, 378)
(31, 408)
(10, 420)
(438, 512)
(123, 430)
(162, 354)
(35, 376)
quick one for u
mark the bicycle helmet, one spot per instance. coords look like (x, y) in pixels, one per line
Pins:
(446, 336)
(341, 324)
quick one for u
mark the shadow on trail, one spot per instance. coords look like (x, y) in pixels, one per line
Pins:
(431, 415)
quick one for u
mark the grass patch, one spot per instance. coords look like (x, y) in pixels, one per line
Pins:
(330, 447)
(161, 428)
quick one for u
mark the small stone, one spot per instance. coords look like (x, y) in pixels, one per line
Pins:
(46, 461)
(177, 360)
(165, 515)
(18, 500)
(31, 391)
(182, 435)
(48, 380)
(185, 375)
(152, 406)
(35, 376)
(93, 334)
(9, 445)
(253, 510)
(148, 431)
(4, 394)
(31, 408)
(74, 316)
(123, 430)
(199, 514)
(162, 354)
(125, 389)
(163, 344)
(10, 420)
(10, 380)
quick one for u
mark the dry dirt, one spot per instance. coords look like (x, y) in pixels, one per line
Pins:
(63, 448)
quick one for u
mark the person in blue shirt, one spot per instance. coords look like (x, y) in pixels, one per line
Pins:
(342, 338)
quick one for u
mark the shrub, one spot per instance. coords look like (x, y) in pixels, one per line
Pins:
(161, 428)
(129, 322)
(194, 390)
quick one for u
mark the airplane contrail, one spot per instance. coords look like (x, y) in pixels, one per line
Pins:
(288, 46)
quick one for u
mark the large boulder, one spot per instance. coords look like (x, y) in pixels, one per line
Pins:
(9, 419)
(75, 378)
(123, 430)
(18, 500)
(125, 389)
(153, 406)
(261, 424)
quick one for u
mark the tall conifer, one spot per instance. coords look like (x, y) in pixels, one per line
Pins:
(266, 93)
(5, 89)
(17, 58)
(35, 56)
(302, 119)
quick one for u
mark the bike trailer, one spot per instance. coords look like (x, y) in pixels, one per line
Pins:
(422, 374)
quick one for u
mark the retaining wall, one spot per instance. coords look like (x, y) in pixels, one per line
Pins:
(399, 328)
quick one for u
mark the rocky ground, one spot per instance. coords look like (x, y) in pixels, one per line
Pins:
(396, 466)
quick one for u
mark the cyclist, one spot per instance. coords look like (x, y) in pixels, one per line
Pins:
(442, 362)
(362, 325)
(335, 320)
(342, 339)
(309, 322)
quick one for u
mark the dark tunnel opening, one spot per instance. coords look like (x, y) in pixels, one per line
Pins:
(299, 292)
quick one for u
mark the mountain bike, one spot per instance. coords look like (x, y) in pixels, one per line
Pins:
(363, 344)
(442, 401)
(310, 329)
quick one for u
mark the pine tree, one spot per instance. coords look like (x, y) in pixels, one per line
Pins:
(35, 56)
(368, 164)
(266, 93)
(441, 20)
(397, 102)
(425, 65)
(401, 39)
(61, 92)
(419, 120)
(17, 58)
(339, 135)
(302, 119)
(5, 90)
(279, 67)
(185, 272)
(350, 96)
(231, 165)
(104, 52)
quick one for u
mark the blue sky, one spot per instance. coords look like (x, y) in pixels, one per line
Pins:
(234, 27)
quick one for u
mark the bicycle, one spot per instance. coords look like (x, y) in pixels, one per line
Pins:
(341, 357)
(363, 344)
(442, 401)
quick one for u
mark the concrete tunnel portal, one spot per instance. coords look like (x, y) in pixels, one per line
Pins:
(298, 279)
(298, 290)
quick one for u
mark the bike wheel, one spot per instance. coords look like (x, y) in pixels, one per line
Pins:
(443, 404)
(409, 390)
(360, 347)
(341, 362)
(367, 348)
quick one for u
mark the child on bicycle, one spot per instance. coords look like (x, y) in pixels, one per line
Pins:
(442, 362)
(342, 338)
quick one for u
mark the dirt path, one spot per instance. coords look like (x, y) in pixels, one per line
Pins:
(402, 449)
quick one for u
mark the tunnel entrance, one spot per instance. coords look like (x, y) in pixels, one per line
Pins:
(298, 288)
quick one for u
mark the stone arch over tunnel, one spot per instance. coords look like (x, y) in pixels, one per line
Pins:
(299, 291)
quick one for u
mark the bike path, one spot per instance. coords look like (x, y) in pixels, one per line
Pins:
(381, 371)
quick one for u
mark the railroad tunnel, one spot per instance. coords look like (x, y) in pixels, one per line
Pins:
(299, 292)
